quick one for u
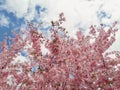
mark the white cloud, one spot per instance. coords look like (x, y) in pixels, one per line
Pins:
(116, 44)
(44, 50)
(20, 59)
(82, 13)
(111, 7)
(19, 8)
(78, 13)
(22, 8)
(4, 21)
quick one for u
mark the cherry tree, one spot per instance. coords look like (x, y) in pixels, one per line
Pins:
(70, 64)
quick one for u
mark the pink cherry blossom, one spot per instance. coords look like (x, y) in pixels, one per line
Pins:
(72, 64)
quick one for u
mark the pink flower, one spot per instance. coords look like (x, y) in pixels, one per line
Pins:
(72, 64)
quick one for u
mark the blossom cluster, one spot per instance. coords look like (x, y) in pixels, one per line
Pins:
(72, 64)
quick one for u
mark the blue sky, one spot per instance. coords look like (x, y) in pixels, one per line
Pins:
(79, 14)
(13, 23)
(9, 21)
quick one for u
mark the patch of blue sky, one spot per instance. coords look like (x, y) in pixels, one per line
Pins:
(40, 9)
(24, 53)
(14, 24)
(34, 69)
(103, 14)
(2, 2)
(46, 25)
(37, 17)
(45, 28)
